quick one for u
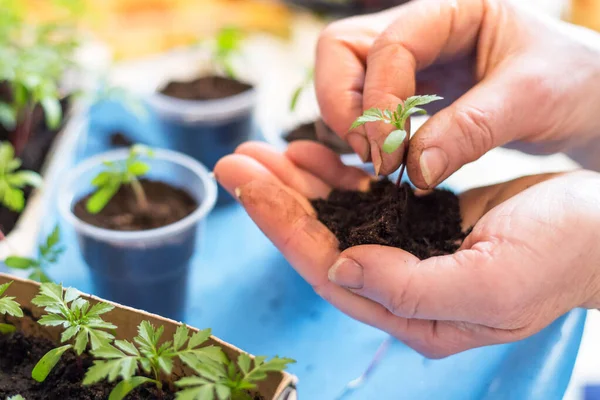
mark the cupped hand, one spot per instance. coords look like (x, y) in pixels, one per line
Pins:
(506, 76)
(532, 254)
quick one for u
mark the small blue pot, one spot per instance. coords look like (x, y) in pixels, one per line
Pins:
(147, 270)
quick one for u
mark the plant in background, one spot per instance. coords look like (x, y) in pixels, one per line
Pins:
(8, 306)
(228, 380)
(33, 59)
(82, 324)
(148, 355)
(307, 82)
(120, 173)
(227, 45)
(13, 180)
(398, 119)
(48, 254)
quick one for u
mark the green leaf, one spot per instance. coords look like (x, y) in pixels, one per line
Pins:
(141, 150)
(415, 101)
(100, 308)
(47, 363)
(7, 116)
(54, 237)
(416, 110)
(8, 305)
(124, 387)
(17, 397)
(20, 262)
(6, 329)
(204, 392)
(138, 168)
(103, 178)
(69, 333)
(295, 97)
(244, 363)
(81, 342)
(198, 338)
(53, 111)
(53, 320)
(394, 141)
(101, 197)
(370, 115)
(180, 337)
(13, 199)
(127, 347)
(39, 276)
(4, 287)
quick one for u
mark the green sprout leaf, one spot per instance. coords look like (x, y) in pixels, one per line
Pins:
(12, 180)
(124, 387)
(109, 181)
(227, 45)
(82, 324)
(48, 254)
(8, 306)
(48, 362)
(308, 81)
(397, 118)
(16, 397)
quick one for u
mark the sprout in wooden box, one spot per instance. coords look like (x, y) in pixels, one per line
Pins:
(8, 306)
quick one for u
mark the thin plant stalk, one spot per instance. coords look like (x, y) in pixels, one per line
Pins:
(23, 130)
(140, 195)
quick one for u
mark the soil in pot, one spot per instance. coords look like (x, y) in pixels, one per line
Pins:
(167, 205)
(389, 215)
(20, 353)
(329, 138)
(205, 88)
(33, 155)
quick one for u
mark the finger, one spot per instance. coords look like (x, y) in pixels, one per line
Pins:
(458, 287)
(303, 182)
(323, 163)
(234, 170)
(340, 70)
(311, 248)
(425, 32)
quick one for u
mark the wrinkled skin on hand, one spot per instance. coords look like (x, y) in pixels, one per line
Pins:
(533, 253)
(507, 77)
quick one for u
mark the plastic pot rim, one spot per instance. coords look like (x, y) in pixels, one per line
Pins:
(197, 111)
(67, 197)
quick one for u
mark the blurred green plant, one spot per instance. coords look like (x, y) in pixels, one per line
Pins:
(306, 83)
(228, 43)
(13, 180)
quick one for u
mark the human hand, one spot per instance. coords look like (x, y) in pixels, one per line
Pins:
(506, 76)
(532, 255)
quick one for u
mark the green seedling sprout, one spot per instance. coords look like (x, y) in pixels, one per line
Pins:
(48, 254)
(307, 82)
(228, 43)
(16, 397)
(120, 173)
(82, 324)
(13, 180)
(398, 119)
(33, 60)
(228, 380)
(8, 306)
(127, 360)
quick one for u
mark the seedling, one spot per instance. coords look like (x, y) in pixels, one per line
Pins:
(48, 254)
(398, 119)
(33, 59)
(307, 82)
(82, 324)
(8, 306)
(119, 173)
(13, 180)
(228, 43)
(228, 380)
(16, 397)
(125, 359)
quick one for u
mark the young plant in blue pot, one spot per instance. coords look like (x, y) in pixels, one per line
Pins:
(138, 213)
(209, 116)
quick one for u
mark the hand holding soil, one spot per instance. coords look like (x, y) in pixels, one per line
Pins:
(529, 258)
(506, 76)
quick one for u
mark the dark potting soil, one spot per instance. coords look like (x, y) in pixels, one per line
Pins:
(20, 353)
(119, 139)
(33, 155)
(167, 205)
(388, 215)
(308, 132)
(205, 88)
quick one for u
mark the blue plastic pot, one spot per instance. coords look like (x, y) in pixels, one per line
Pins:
(206, 130)
(148, 269)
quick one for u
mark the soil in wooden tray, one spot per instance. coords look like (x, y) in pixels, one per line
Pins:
(205, 88)
(309, 132)
(394, 216)
(20, 353)
(33, 155)
(166, 205)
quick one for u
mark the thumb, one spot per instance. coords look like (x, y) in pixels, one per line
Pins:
(458, 287)
(512, 104)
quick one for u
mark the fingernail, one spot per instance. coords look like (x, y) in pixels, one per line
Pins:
(376, 157)
(433, 163)
(360, 144)
(347, 273)
(238, 193)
